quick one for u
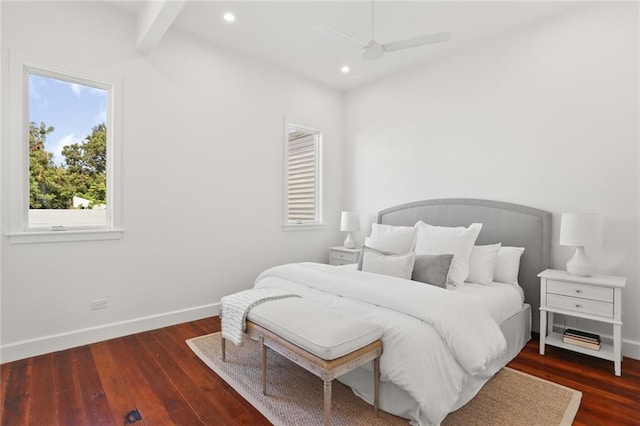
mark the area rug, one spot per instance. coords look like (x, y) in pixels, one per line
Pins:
(295, 396)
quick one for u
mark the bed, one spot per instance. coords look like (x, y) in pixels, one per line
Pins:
(440, 346)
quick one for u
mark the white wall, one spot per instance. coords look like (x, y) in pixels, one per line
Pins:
(202, 154)
(546, 116)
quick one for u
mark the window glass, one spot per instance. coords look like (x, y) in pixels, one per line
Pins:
(68, 166)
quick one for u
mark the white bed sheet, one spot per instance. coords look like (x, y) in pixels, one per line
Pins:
(501, 300)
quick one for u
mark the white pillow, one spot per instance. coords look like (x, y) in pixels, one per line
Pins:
(395, 265)
(482, 263)
(392, 239)
(508, 265)
(457, 241)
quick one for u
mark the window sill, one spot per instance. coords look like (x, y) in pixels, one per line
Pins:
(64, 236)
(304, 227)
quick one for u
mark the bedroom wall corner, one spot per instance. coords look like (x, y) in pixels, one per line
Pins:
(202, 169)
(545, 115)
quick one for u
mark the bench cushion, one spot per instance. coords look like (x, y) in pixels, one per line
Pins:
(322, 331)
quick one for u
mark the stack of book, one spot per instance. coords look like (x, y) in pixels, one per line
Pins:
(581, 338)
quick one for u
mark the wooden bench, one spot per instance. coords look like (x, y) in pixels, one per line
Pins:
(323, 363)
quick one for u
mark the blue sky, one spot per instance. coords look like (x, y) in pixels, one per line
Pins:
(72, 109)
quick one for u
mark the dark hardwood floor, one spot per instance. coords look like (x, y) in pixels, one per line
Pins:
(157, 374)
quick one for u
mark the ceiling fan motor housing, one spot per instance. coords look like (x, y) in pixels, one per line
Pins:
(372, 51)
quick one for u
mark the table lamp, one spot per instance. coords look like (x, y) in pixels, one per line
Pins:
(580, 230)
(349, 222)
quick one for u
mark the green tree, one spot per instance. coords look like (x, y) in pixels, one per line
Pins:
(83, 172)
(90, 156)
(38, 136)
(86, 165)
(48, 186)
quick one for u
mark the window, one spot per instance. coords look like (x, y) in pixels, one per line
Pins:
(67, 153)
(303, 166)
(65, 142)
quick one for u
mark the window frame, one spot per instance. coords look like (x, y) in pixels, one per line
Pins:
(318, 221)
(20, 230)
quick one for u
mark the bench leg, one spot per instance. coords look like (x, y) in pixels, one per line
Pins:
(222, 341)
(327, 402)
(376, 382)
(263, 365)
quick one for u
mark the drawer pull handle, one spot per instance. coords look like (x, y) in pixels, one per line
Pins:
(578, 305)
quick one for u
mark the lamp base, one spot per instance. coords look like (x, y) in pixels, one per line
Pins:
(350, 242)
(579, 264)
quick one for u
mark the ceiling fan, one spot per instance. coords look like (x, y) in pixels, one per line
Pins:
(373, 50)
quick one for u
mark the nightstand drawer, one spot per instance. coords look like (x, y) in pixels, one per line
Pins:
(584, 306)
(341, 255)
(583, 291)
(338, 262)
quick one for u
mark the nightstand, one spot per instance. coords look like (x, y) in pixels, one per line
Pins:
(597, 298)
(340, 255)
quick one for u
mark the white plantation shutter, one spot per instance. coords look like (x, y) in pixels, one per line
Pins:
(301, 179)
(302, 174)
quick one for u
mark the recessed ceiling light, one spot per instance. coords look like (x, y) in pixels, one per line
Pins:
(345, 69)
(229, 17)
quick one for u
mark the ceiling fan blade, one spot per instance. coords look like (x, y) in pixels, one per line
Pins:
(323, 29)
(415, 42)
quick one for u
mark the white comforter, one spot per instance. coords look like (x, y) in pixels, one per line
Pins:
(434, 339)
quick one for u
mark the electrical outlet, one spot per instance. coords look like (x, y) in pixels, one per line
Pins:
(98, 304)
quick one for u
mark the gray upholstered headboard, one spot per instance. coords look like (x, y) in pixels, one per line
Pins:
(509, 224)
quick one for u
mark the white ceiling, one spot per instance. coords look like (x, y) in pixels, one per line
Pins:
(280, 32)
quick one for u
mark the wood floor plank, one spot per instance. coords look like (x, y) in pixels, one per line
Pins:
(95, 402)
(116, 388)
(5, 371)
(156, 373)
(207, 325)
(133, 381)
(42, 393)
(227, 404)
(161, 385)
(203, 327)
(192, 393)
(17, 397)
(179, 335)
(69, 406)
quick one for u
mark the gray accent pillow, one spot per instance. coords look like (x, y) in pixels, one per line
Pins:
(432, 268)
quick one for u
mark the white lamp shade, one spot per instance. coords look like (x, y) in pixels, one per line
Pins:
(580, 229)
(350, 221)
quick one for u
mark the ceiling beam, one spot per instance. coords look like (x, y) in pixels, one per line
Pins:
(153, 20)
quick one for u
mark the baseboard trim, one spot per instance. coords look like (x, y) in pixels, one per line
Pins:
(631, 349)
(57, 342)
